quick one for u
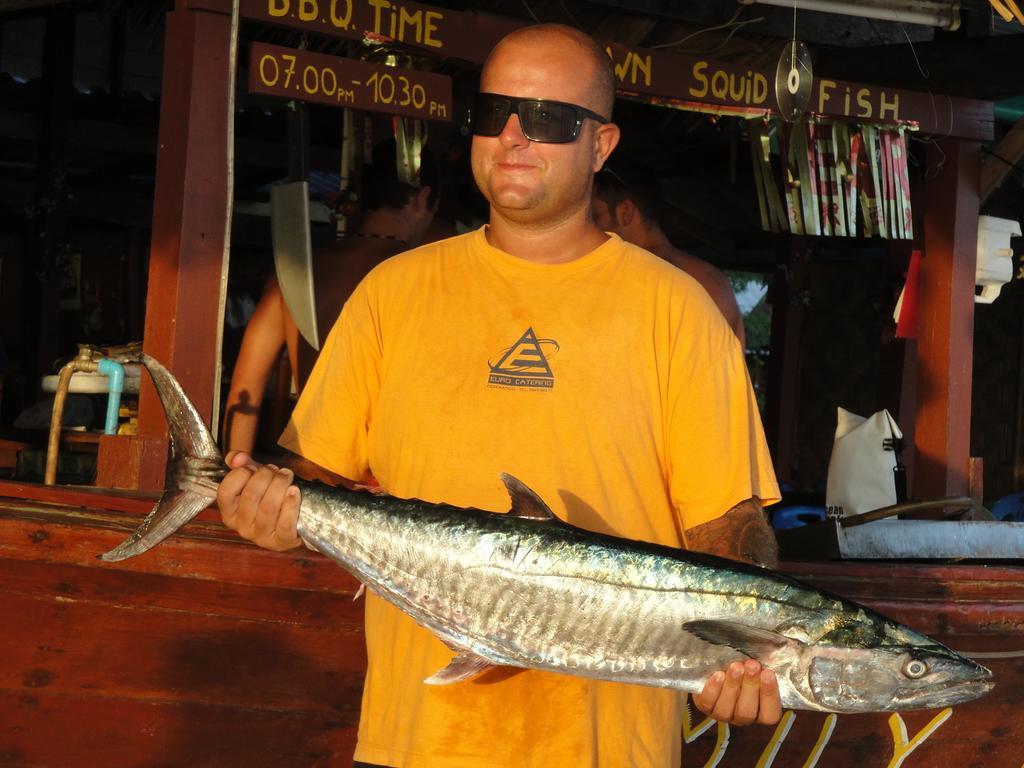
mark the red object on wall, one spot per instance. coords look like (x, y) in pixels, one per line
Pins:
(907, 325)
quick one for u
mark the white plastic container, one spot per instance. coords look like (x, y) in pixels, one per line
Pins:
(995, 256)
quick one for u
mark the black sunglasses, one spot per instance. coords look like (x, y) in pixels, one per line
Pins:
(549, 122)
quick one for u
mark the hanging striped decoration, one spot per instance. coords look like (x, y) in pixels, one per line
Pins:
(832, 179)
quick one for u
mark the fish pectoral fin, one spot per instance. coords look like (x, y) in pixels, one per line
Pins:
(465, 665)
(796, 631)
(754, 642)
(359, 593)
(526, 503)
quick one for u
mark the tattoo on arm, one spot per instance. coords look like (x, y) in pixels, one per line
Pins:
(742, 533)
(307, 470)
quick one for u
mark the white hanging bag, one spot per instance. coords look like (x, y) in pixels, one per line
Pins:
(864, 467)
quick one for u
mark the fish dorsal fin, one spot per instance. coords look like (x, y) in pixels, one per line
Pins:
(465, 665)
(754, 642)
(525, 503)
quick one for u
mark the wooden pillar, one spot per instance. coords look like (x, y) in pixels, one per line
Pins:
(946, 344)
(897, 380)
(782, 408)
(185, 262)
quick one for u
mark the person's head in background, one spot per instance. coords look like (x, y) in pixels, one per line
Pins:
(394, 207)
(631, 208)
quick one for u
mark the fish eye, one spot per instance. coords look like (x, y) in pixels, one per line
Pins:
(915, 668)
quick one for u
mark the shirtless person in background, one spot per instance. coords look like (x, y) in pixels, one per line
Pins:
(396, 219)
(631, 212)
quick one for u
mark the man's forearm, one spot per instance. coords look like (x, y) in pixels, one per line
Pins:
(308, 470)
(742, 533)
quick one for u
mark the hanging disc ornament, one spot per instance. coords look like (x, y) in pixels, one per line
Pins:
(793, 77)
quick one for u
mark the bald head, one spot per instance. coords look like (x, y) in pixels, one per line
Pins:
(601, 86)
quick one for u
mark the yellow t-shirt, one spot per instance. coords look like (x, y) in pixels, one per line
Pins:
(611, 385)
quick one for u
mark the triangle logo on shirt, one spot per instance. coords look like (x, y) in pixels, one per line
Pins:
(524, 364)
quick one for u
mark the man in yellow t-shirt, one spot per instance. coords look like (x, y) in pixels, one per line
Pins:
(598, 374)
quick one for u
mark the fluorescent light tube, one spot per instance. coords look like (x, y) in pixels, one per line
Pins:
(931, 13)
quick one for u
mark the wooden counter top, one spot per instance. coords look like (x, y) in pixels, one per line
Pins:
(209, 651)
(206, 651)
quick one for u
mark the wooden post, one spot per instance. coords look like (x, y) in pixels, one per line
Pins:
(946, 345)
(997, 166)
(897, 380)
(782, 411)
(188, 235)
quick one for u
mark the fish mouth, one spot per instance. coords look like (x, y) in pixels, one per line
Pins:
(951, 693)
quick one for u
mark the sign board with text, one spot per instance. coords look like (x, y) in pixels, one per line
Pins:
(696, 81)
(316, 77)
(674, 79)
(444, 32)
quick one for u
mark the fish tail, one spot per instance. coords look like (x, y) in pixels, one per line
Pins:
(193, 473)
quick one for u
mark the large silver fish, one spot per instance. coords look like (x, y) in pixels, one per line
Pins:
(524, 589)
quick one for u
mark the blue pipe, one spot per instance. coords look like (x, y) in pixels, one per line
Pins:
(115, 376)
